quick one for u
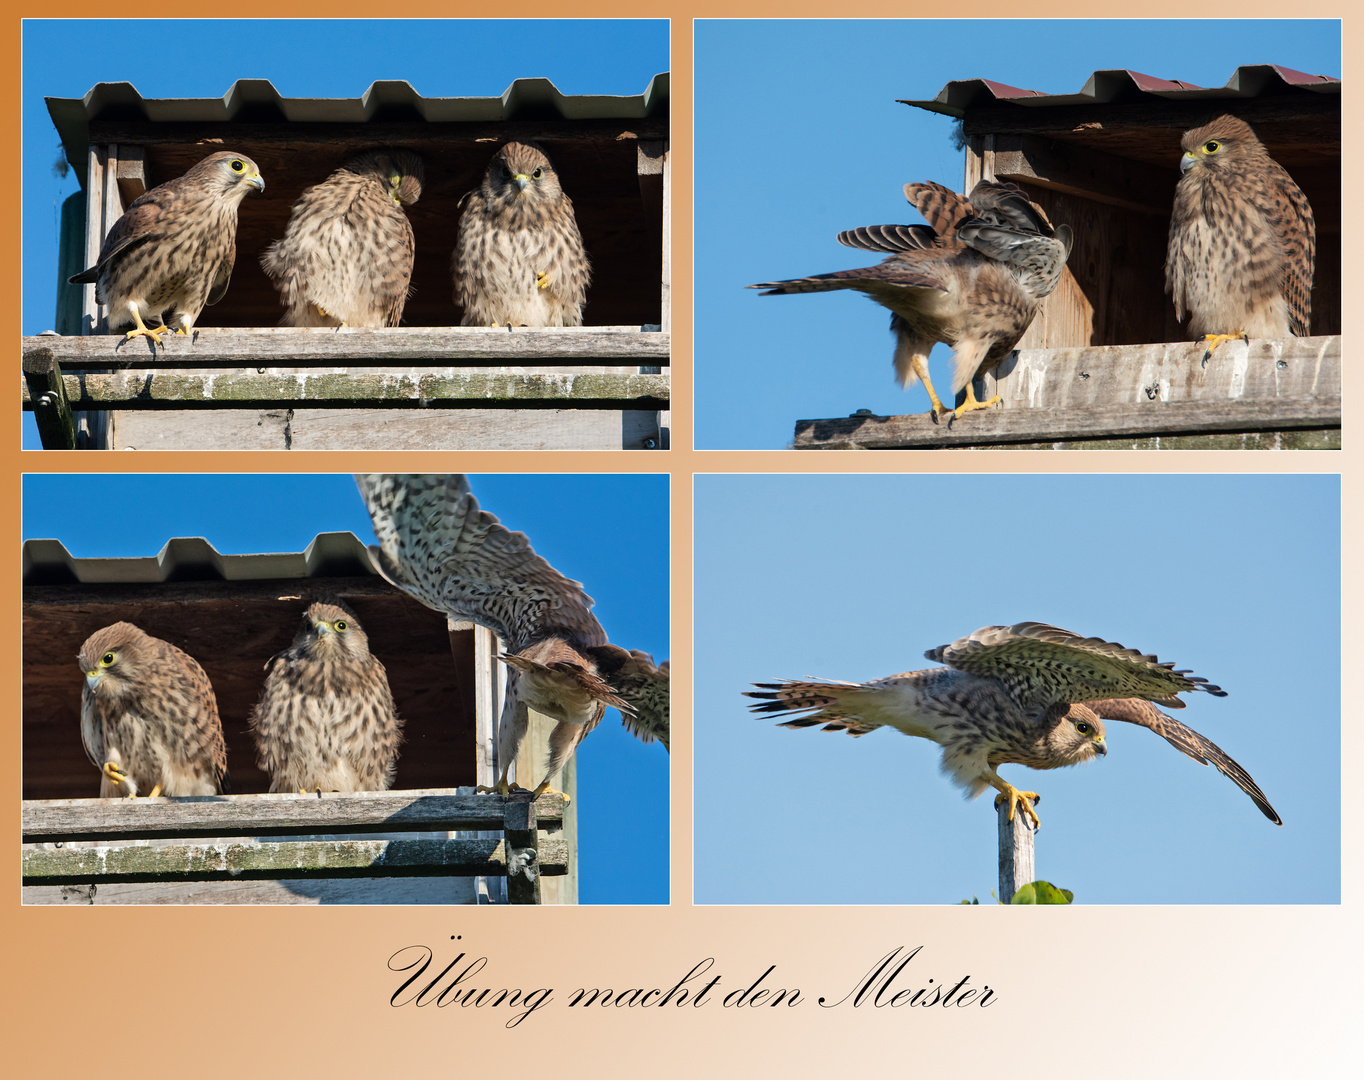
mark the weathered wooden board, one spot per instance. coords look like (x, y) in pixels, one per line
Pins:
(383, 429)
(282, 860)
(274, 347)
(432, 890)
(1144, 392)
(55, 820)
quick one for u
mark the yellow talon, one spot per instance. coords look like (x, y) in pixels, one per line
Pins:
(971, 404)
(1214, 340)
(1016, 797)
(545, 788)
(141, 330)
(542, 280)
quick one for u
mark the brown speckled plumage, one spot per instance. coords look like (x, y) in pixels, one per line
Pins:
(348, 251)
(973, 277)
(171, 253)
(1028, 694)
(148, 709)
(519, 257)
(1242, 238)
(326, 718)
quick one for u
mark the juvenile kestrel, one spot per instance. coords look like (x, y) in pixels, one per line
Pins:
(326, 719)
(438, 546)
(172, 251)
(973, 278)
(1030, 694)
(346, 257)
(149, 720)
(518, 258)
(1242, 239)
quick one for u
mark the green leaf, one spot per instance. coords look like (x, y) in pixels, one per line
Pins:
(973, 900)
(1042, 892)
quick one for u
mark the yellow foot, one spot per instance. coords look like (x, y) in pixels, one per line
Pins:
(1016, 797)
(115, 773)
(1214, 340)
(542, 280)
(971, 404)
(155, 791)
(545, 788)
(500, 788)
(144, 331)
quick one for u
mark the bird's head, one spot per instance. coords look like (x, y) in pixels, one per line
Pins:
(111, 659)
(331, 630)
(1214, 144)
(231, 176)
(521, 172)
(1079, 737)
(401, 173)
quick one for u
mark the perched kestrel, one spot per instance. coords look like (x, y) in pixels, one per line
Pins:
(1030, 694)
(149, 720)
(519, 259)
(973, 278)
(346, 257)
(1242, 239)
(171, 253)
(438, 546)
(326, 719)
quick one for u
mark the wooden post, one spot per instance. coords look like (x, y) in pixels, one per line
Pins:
(51, 409)
(1016, 863)
(523, 854)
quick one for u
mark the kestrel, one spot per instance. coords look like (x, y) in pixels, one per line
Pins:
(172, 251)
(326, 719)
(1030, 694)
(438, 546)
(973, 278)
(519, 259)
(1242, 239)
(346, 257)
(149, 720)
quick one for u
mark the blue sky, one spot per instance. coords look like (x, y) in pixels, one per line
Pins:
(1234, 577)
(799, 134)
(622, 561)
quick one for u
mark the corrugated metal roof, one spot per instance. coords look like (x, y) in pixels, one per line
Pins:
(192, 558)
(257, 101)
(1105, 87)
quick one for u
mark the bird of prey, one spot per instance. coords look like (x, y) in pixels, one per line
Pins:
(519, 258)
(1029, 694)
(1242, 240)
(171, 253)
(326, 719)
(973, 278)
(438, 546)
(149, 720)
(346, 257)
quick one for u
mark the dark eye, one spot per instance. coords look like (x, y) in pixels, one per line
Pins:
(107, 659)
(539, 172)
(1082, 726)
(1212, 146)
(340, 624)
(238, 166)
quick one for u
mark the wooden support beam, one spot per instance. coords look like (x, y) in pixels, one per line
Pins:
(1016, 855)
(52, 411)
(522, 852)
(68, 820)
(133, 390)
(282, 860)
(1079, 170)
(626, 346)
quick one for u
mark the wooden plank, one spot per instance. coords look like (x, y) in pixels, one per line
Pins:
(281, 860)
(52, 411)
(63, 820)
(236, 389)
(998, 426)
(357, 347)
(299, 891)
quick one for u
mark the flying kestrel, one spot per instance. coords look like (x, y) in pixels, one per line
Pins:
(1242, 240)
(1029, 694)
(346, 257)
(438, 546)
(519, 259)
(149, 720)
(326, 719)
(973, 278)
(172, 251)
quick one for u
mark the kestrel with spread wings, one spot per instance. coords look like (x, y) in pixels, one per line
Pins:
(347, 254)
(438, 546)
(1029, 694)
(1242, 239)
(171, 253)
(973, 277)
(149, 718)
